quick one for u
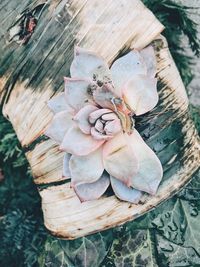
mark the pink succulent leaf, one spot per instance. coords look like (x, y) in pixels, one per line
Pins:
(59, 103)
(113, 127)
(99, 125)
(99, 136)
(86, 169)
(59, 126)
(77, 143)
(119, 159)
(77, 92)
(105, 123)
(150, 170)
(105, 96)
(94, 116)
(141, 94)
(87, 64)
(93, 191)
(82, 118)
(125, 193)
(109, 116)
(125, 68)
(149, 57)
(66, 170)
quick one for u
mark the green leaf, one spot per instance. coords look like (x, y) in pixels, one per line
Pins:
(195, 114)
(179, 223)
(54, 256)
(132, 248)
(172, 255)
(192, 190)
(83, 252)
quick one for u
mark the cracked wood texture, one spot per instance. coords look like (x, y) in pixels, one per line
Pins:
(30, 75)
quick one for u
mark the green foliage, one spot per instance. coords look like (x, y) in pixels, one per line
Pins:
(178, 23)
(132, 248)
(10, 150)
(166, 237)
(21, 236)
(86, 251)
(21, 228)
(195, 114)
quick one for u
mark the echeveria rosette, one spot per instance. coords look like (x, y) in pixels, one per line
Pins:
(94, 125)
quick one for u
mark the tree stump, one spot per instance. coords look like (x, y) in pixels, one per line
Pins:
(33, 72)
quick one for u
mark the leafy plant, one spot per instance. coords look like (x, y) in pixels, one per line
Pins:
(178, 23)
(195, 114)
(86, 251)
(21, 228)
(17, 230)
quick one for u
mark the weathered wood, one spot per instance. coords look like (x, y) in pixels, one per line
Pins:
(32, 74)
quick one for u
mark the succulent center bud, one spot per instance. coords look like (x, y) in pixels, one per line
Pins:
(115, 117)
(104, 124)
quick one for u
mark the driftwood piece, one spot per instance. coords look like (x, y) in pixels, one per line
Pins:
(31, 74)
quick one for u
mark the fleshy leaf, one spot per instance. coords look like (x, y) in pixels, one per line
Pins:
(86, 169)
(150, 171)
(66, 170)
(98, 113)
(125, 68)
(59, 103)
(94, 190)
(119, 159)
(99, 136)
(82, 118)
(77, 92)
(105, 96)
(141, 94)
(149, 57)
(87, 64)
(59, 126)
(77, 143)
(113, 127)
(125, 193)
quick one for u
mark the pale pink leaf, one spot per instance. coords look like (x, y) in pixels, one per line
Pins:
(59, 126)
(66, 170)
(92, 191)
(87, 64)
(119, 159)
(141, 94)
(77, 92)
(125, 193)
(125, 68)
(59, 103)
(77, 143)
(150, 170)
(149, 57)
(82, 118)
(86, 169)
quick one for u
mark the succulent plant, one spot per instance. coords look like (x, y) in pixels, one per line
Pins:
(93, 123)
